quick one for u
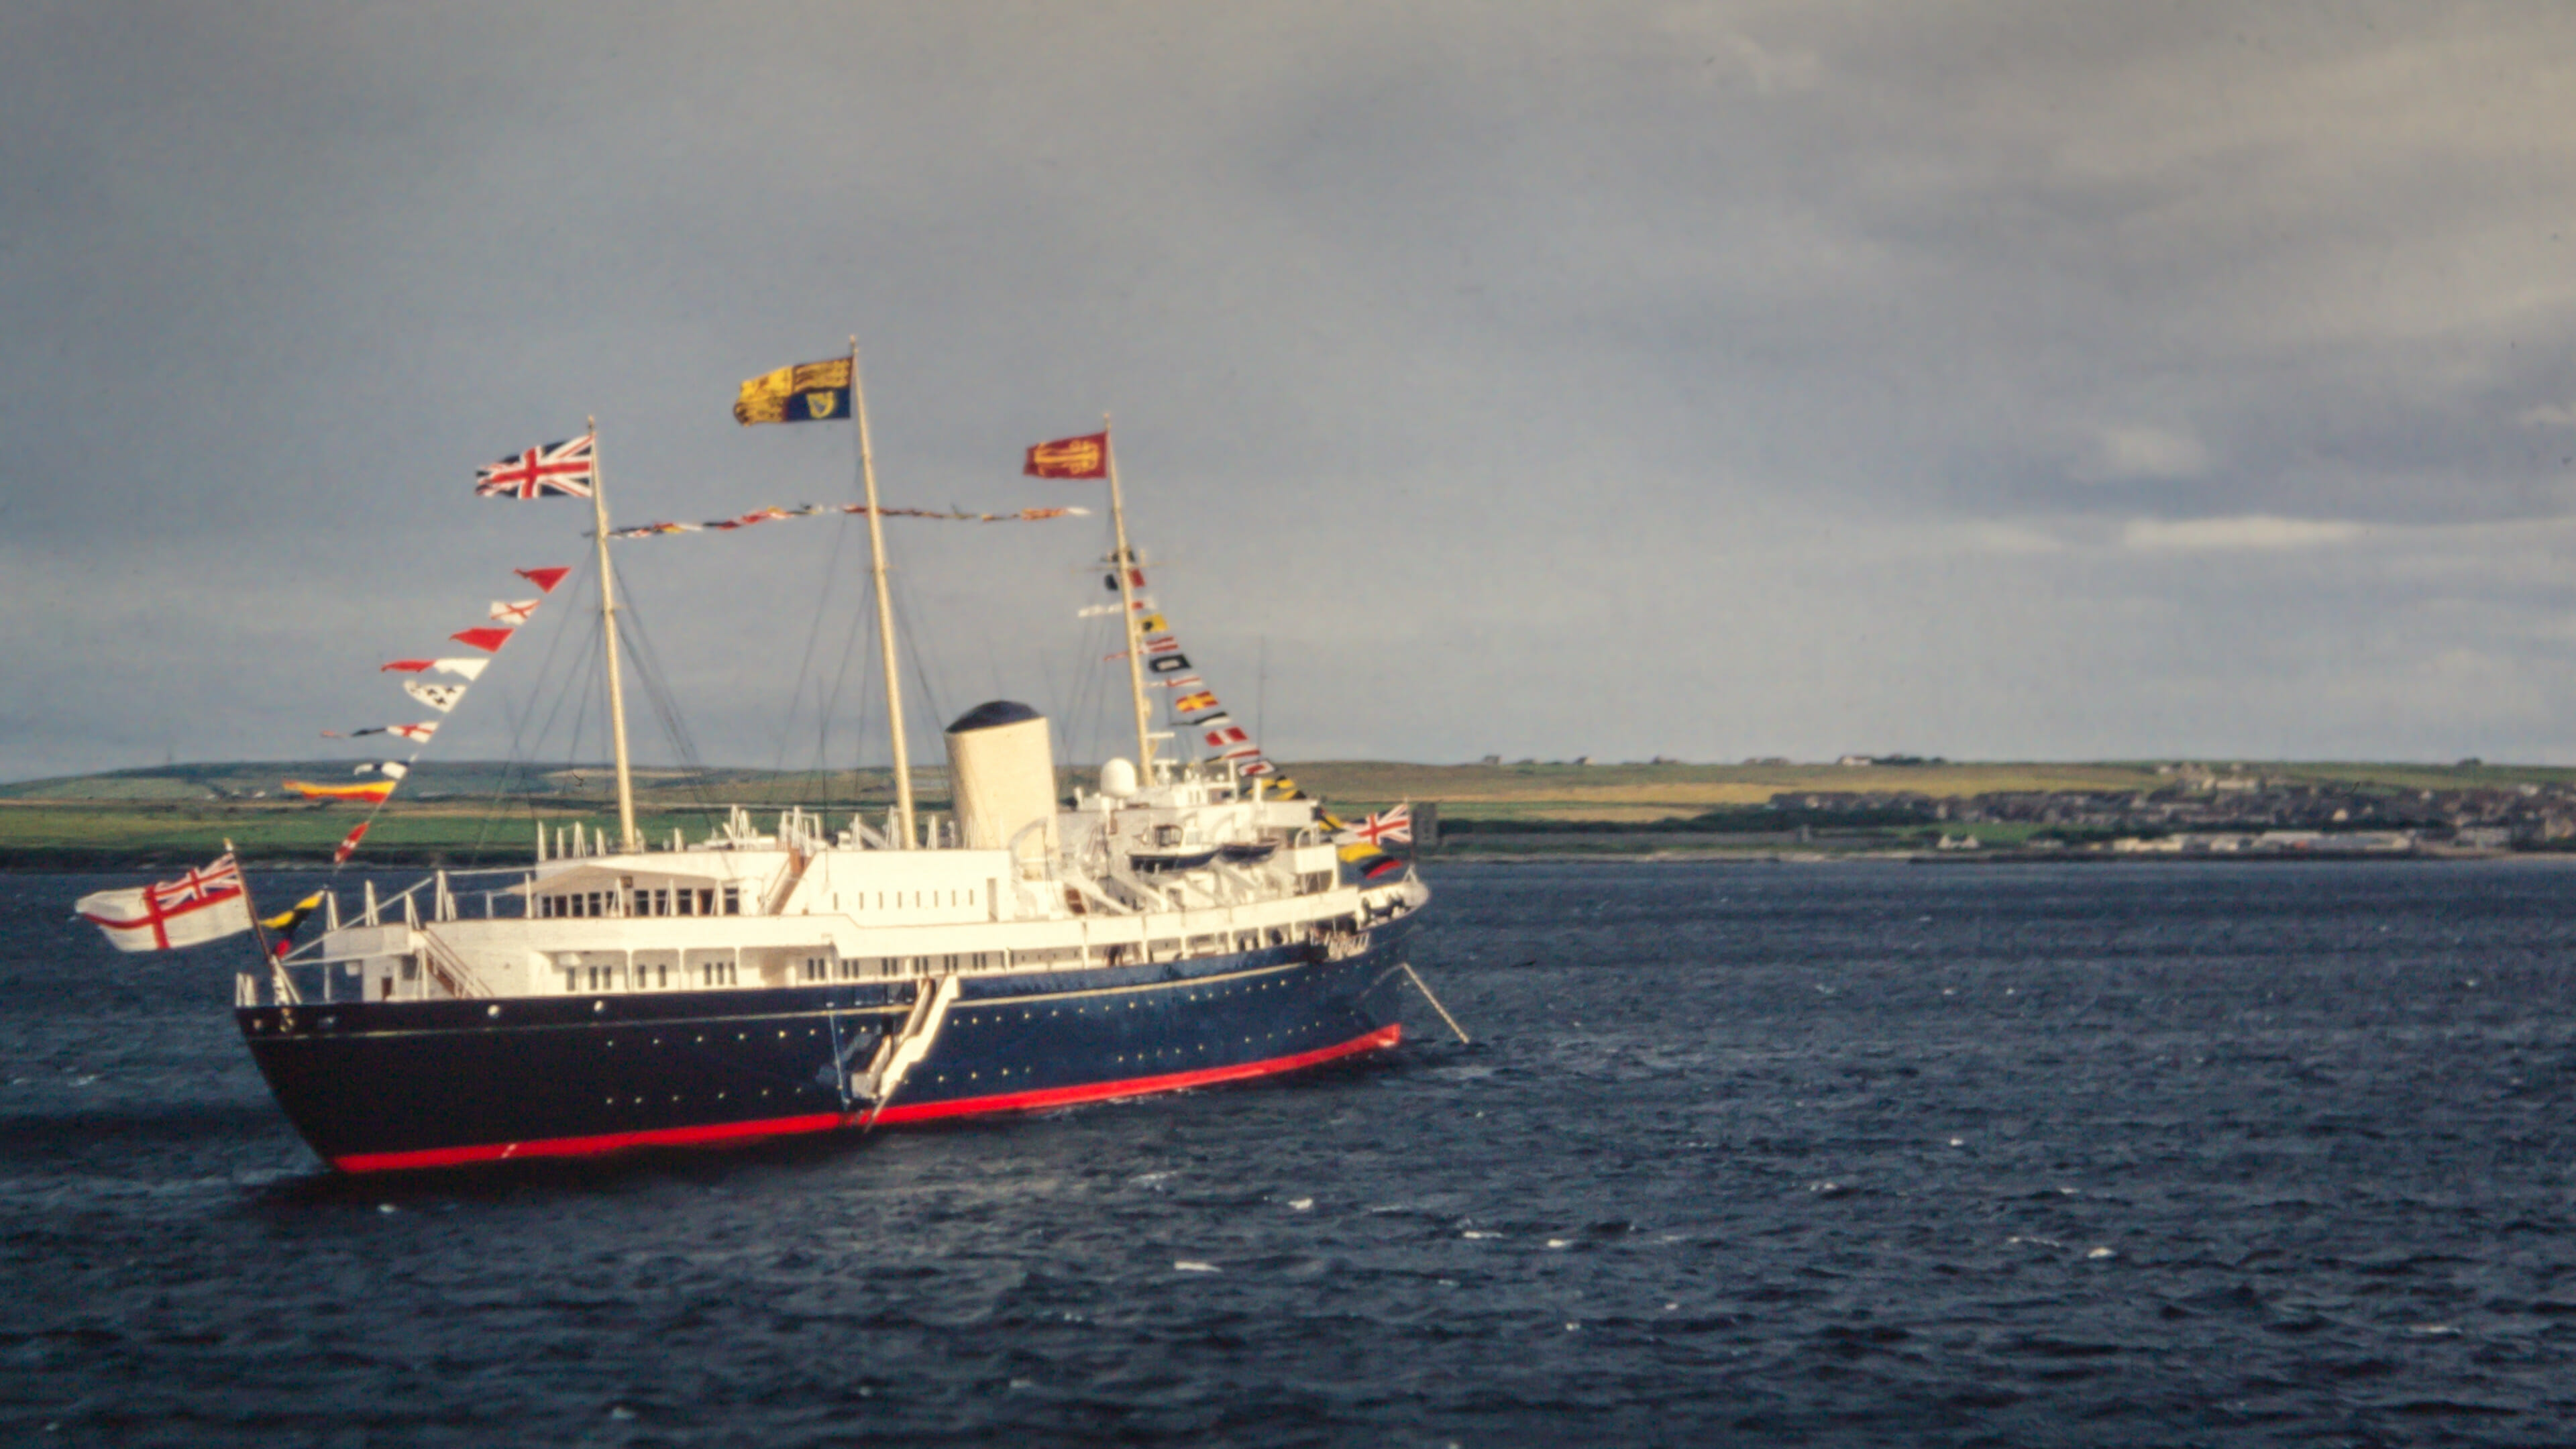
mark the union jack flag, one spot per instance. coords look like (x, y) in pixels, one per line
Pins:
(565, 470)
(221, 878)
(1394, 827)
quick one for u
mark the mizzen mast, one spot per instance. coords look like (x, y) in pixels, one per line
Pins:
(1125, 567)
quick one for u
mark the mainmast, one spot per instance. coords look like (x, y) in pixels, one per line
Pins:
(904, 839)
(632, 842)
(1125, 568)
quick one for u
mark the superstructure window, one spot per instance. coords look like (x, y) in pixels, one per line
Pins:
(733, 900)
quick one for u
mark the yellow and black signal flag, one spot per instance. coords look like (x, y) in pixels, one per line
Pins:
(293, 916)
(809, 392)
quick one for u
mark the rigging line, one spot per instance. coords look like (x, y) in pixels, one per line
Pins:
(657, 686)
(666, 709)
(813, 631)
(832, 702)
(866, 712)
(828, 713)
(1104, 703)
(905, 617)
(582, 671)
(510, 763)
(592, 683)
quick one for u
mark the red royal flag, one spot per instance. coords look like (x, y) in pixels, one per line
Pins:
(544, 579)
(1083, 457)
(487, 640)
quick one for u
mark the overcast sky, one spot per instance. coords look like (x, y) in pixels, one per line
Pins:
(1988, 380)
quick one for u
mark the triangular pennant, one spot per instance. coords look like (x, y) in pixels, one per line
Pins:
(405, 666)
(461, 668)
(440, 697)
(487, 640)
(544, 579)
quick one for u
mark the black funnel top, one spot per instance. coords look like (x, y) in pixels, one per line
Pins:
(994, 715)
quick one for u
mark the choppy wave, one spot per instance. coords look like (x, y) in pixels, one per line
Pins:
(1848, 1155)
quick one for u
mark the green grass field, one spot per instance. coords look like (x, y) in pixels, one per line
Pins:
(484, 813)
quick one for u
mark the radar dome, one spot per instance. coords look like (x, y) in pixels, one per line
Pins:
(1117, 779)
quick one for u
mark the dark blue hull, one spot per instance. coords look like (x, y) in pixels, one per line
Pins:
(406, 1084)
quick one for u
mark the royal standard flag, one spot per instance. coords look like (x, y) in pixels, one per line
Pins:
(809, 392)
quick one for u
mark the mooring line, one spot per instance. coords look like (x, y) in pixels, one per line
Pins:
(1416, 978)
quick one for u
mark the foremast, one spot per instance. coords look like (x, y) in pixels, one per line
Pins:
(629, 840)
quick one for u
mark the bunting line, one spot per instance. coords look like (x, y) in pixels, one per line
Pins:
(508, 617)
(835, 510)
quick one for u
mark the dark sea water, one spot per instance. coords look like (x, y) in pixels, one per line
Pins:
(1742, 1155)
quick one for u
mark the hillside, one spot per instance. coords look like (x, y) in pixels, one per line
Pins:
(487, 812)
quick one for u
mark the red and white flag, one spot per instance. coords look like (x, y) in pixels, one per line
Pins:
(349, 844)
(557, 470)
(1230, 735)
(513, 614)
(440, 697)
(203, 905)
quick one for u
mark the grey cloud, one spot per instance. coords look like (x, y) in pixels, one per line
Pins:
(1550, 379)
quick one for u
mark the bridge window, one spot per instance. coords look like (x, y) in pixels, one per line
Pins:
(733, 900)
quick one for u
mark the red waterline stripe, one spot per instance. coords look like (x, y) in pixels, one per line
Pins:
(1378, 1040)
(717, 1132)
